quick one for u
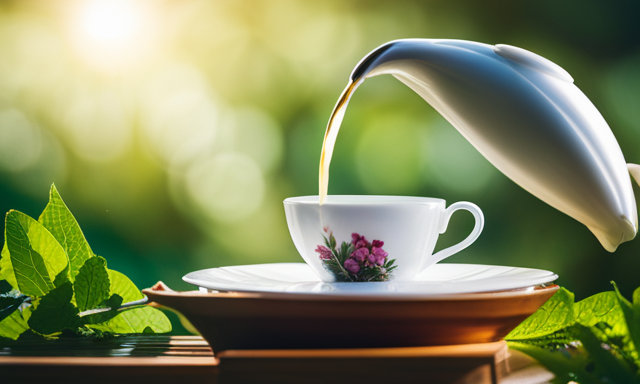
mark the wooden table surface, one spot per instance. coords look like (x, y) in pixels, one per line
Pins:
(182, 359)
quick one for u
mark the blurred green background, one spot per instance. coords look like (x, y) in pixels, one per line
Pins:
(174, 129)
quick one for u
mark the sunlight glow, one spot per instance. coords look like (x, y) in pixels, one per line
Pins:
(110, 21)
(114, 35)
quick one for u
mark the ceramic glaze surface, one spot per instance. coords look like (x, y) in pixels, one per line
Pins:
(525, 115)
(294, 320)
(440, 279)
(399, 228)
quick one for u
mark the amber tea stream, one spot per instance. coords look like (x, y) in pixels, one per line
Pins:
(330, 137)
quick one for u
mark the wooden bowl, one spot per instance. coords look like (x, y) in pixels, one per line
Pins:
(294, 321)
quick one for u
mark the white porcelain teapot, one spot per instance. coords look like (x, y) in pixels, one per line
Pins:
(525, 115)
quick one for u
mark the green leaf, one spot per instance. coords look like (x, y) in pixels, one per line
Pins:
(601, 307)
(592, 343)
(27, 240)
(566, 365)
(55, 312)
(556, 314)
(58, 220)
(5, 286)
(136, 320)
(36, 258)
(10, 302)
(113, 303)
(123, 286)
(631, 314)
(62, 277)
(13, 326)
(6, 269)
(636, 313)
(606, 366)
(92, 285)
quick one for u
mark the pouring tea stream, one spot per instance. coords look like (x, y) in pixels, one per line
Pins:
(524, 114)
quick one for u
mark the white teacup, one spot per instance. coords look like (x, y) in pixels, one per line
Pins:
(373, 238)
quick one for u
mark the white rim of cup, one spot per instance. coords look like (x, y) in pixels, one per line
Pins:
(363, 200)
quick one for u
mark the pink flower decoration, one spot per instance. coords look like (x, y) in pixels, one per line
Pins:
(379, 252)
(359, 241)
(325, 253)
(360, 254)
(352, 266)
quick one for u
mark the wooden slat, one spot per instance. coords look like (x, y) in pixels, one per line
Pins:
(190, 359)
(131, 359)
(467, 364)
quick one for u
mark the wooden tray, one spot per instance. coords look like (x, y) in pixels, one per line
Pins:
(276, 321)
(163, 359)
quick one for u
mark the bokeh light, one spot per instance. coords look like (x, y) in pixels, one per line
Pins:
(388, 155)
(113, 35)
(20, 141)
(98, 126)
(227, 187)
(454, 163)
(180, 114)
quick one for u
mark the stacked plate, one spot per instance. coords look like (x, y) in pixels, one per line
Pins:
(286, 305)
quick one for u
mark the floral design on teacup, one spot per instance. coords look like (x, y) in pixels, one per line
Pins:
(358, 260)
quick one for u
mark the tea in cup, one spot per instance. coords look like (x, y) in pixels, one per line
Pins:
(352, 238)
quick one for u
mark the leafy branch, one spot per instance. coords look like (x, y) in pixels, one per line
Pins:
(50, 280)
(595, 340)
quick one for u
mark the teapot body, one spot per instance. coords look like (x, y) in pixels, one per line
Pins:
(524, 114)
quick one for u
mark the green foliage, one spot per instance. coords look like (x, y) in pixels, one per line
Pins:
(55, 312)
(31, 273)
(137, 320)
(555, 315)
(591, 341)
(5, 287)
(6, 268)
(335, 264)
(59, 221)
(13, 326)
(134, 320)
(123, 286)
(9, 302)
(92, 283)
(112, 302)
(52, 283)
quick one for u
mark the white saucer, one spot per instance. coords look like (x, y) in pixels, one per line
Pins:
(439, 279)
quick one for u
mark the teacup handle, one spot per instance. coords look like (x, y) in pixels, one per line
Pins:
(444, 222)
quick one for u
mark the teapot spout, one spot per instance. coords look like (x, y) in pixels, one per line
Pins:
(611, 240)
(524, 114)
